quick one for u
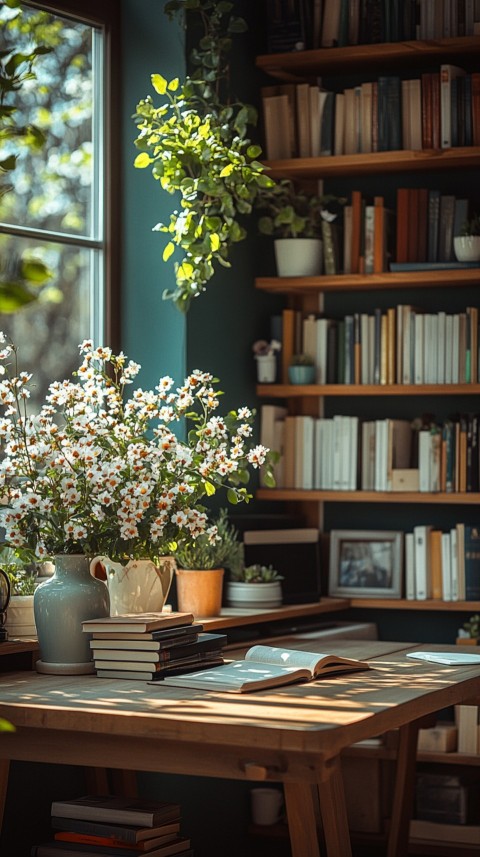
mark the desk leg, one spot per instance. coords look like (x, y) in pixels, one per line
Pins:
(4, 771)
(302, 819)
(334, 811)
(404, 791)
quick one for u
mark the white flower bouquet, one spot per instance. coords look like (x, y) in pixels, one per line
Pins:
(95, 472)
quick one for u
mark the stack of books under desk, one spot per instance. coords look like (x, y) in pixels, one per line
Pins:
(109, 825)
(147, 647)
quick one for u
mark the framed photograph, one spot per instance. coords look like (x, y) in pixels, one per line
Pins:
(366, 564)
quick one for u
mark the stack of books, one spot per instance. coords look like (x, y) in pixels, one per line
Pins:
(106, 824)
(148, 646)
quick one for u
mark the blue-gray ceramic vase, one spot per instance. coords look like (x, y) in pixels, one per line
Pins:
(61, 604)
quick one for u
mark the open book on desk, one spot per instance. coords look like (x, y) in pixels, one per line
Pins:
(266, 666)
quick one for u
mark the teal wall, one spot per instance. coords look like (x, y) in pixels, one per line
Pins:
(153, 331)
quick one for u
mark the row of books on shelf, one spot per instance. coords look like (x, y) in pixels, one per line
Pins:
(310, 24)
(107, 824)
(444, 566)
(343, 453)
(438, 110)
(400, 345)
(149, 647)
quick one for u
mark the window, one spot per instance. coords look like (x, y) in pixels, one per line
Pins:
(58, 211)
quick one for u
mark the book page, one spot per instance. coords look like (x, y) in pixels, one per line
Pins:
(239, 676)
(286, 657)
(452, 658)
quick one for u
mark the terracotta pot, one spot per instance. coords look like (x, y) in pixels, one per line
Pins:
(199, 591)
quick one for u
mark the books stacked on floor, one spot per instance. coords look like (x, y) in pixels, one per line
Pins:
(109, 825)
(149, 646)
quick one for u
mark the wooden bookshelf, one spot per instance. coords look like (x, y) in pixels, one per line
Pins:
(407, 604)
(457, 277)
(295, 494)
(301, 64)
(231, 617)
(401, 161)
(287, 391)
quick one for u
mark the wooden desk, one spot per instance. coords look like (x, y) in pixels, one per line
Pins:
(292, 735)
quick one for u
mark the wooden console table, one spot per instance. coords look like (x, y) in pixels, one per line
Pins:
(292, 735)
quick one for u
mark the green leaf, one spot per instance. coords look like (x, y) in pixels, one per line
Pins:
(35, 271)
(14, 296)
(269, 480)
(209, 489)
(6, 726)
(227, 171)
(214, 242)
(232, 497)
(174, 84)
(159, 83)
(169, 249)
(142, 160)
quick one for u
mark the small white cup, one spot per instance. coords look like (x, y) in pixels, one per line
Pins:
(266, 805)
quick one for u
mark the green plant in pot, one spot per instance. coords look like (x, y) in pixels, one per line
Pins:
(467, 244)
(469, 633)
(195, 143)
(301, 369)
(22, 574)
(201, 565)
(293, 214)
(255, 585)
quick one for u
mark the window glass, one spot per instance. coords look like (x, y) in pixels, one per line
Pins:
(53, 186)
(53, 214)
(49, 330)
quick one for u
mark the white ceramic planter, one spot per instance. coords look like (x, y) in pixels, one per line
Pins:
(20, 618)
(254, 594)
(266, 368)
(298, 257)
(467, 248)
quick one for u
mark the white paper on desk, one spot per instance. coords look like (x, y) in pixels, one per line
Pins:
(452, 658)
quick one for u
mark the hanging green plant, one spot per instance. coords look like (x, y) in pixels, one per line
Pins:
(196, 145)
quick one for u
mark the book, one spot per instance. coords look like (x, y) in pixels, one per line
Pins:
(205, 643)
(175, 668)
(138, 622)
(106, 808)
(431, 266)
(267, 666)
(450, 658)
(129, 663)
(466, 719)
(170, 636)
(77, 849)
(130, 834)
(447, 73)
(112, 642)
(114, 842)
(434, 831)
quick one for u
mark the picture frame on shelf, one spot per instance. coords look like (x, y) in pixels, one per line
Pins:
(366, 563)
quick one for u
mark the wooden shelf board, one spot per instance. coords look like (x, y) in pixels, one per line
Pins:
(458, 499)
(407, 604)
(298, 64)
(285, 391)
(231, 617)
(366, 282)
(403, 160)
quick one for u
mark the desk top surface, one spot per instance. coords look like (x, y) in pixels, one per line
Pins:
(321, 716)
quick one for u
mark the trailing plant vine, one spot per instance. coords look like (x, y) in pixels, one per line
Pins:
(196, 145)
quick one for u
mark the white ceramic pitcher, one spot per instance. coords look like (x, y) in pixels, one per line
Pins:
(140, 586)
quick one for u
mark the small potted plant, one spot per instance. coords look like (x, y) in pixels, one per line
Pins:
(301, 369)
(469, 634)
(293, 217)
(255, 586)
(20, 621)
(265, 354)
(467, 244)
(201, 564)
